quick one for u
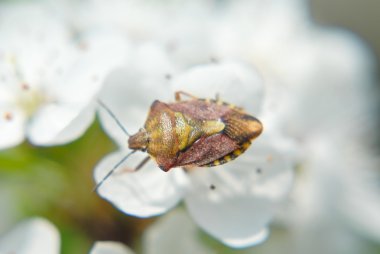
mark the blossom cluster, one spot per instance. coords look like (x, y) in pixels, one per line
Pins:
(309, 86)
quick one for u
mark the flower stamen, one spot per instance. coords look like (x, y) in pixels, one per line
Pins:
(8, 116)
(30, 100)
(25, 86)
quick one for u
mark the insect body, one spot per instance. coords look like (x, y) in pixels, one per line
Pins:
(195, 132)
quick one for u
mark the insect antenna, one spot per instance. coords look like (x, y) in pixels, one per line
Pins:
(113, 170)
(104, 106)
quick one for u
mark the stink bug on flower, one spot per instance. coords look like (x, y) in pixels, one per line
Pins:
(192, 133)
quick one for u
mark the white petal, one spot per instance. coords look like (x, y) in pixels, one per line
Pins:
(227, 214)
(12, 129)
(188, 40)
(257, 238)
(110, 248)
(273, 158)
(333, 67)
(235, 202)
(360, 189)
(84, 70)
(235, 83)
(34, 236)
(252, 30)
(59, 124)
(31, 35)
(159, 237)
(144, 193)
(334, 174)
(130, 91)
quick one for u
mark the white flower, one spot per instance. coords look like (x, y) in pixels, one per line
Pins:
(234, 202)
(322, 93)
(188, 41)
(33, 236)
(158, 238)
(49, 75)
(110, 248)
(324, 81)
(39, 236)
(329, 108)
(334, 200)
(306, 65)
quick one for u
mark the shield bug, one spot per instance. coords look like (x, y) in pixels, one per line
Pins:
(192, 133)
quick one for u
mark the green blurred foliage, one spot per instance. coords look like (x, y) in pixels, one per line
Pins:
(57, 182)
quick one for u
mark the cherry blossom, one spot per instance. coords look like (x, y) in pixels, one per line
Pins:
(32, 236)
(234, 202)
(50, 75)
(110, 248)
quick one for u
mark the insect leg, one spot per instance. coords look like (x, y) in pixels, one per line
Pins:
(139, 166)
(142, 163)
(113, 170)
(179, 93)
